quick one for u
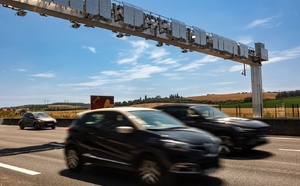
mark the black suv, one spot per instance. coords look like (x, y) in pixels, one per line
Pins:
(235, 133)
(147, 141)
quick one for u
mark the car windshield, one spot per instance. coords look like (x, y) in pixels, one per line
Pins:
(156, 120)
(210, 112)
(41, 115)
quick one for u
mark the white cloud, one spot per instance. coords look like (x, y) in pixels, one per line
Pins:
(167, 61)
(44, 75)
(131, 56)
(140, 45)
(198, 63)
(238, 67)
(95, 83)
(110, 77)
(20, 70)
(141, 72)
(223, 83)
(245, 39)
(158, 53)
(269, 22)
(278, 56)
(92, 49)
(131, 59)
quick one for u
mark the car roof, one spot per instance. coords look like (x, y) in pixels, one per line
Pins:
(118, 109)
(179, 104)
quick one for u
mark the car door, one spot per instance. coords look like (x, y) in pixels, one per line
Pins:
(28, 119)
(105, 144)
(119, 147)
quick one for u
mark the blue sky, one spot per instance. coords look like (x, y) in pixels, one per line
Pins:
(44, 60)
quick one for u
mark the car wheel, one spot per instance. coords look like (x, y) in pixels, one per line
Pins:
(53, 127)
(73, 159)
(21, 126)
(227, 145)
(36, 126)
(150, 172)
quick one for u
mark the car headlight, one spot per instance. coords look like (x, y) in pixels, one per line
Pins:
(212, 148)
(241, 129)
(176, 145)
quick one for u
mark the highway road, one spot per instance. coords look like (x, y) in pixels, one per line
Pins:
(35, 157)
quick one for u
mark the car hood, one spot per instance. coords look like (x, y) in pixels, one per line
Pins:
(46, 119)
(189, 135)
(242, 122)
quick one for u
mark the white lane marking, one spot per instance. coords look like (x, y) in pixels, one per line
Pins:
(19, 169)
(286, 138)
(293, 150)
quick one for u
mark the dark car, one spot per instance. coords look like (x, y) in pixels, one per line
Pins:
(235, 133)
(147, 141)
(38, 120)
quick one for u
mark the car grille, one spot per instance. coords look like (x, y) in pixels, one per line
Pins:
(49, 123)
(263, 131)
(207, 148)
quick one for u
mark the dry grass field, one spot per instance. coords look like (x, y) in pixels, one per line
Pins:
(234, 96)
(243, 112)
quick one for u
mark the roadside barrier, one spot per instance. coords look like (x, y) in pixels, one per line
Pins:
(278, 126)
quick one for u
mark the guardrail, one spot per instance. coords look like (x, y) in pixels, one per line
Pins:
(278, 126)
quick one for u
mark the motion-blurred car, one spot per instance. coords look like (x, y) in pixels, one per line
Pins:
(147, 141)
(37, 120)
(235, 133)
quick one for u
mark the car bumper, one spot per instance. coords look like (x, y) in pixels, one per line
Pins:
(206, 166)
(243, 142)
(47, 124)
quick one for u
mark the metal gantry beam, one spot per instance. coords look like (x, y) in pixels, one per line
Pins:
(126, 19)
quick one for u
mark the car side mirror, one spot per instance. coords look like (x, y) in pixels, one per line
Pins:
(124, 129)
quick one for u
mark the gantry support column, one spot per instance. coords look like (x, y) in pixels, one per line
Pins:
(257, 93)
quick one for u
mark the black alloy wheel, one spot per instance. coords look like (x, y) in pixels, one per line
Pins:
(73, 159)
(226, 146)
(150, 172)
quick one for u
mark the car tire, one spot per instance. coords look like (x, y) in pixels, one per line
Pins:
(21, 126)
(53, 127)
(150, 172)
(36, 126)
(73, 159)
(226, 146)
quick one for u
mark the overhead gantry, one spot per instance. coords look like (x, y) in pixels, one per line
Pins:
(125, 19)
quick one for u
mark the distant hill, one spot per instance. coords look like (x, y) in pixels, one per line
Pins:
(233, 96)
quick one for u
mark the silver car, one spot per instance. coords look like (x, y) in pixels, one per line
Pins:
(37, 120)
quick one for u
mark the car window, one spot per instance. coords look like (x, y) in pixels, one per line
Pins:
(112, 120)
(41, 115)
(94, 119)
(191, 112)
(107, 121)
(177, 111)
(29, 115)
(152, 120)
(26, 115)
(210, 112)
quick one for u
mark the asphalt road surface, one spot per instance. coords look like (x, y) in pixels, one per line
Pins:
(35, 157)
